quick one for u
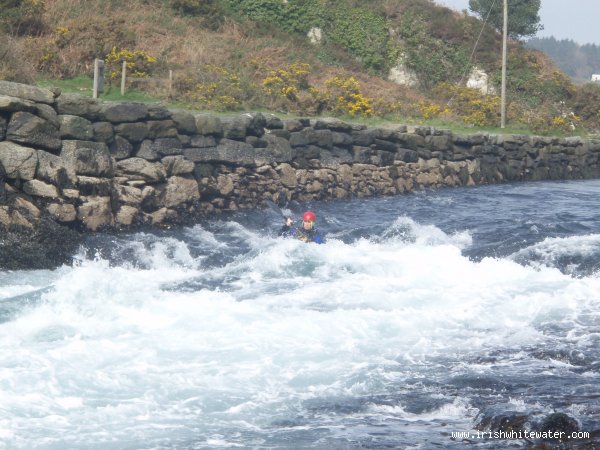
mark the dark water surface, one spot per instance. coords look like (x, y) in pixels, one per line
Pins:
(421, 316)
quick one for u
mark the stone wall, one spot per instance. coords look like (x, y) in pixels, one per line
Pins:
(95, 164)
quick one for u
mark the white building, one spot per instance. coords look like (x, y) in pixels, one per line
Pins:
(596, 78)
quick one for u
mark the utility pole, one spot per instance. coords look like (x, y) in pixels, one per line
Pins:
(504, 39)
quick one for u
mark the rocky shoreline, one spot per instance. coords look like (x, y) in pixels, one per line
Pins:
(79, 165)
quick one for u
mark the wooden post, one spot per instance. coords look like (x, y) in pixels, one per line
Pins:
(170, 83)
(96, 77)
(123, 77)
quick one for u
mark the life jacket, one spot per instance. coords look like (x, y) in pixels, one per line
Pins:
(311, 235)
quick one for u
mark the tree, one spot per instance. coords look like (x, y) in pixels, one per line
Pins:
(523, 15)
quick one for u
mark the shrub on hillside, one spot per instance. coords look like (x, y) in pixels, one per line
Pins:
(344, 97)
(434, 60)
(138, 63)
(209, 10)
(71, 49)
(14, 67)
(473, 107)
(215, 88)
(364, 33)
(586, 103)
(294, 17)
(21, 17)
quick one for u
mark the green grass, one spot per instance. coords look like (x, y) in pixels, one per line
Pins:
(84, 86)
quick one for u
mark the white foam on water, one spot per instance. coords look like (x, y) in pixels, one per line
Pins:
(550, 250)
(117, 356)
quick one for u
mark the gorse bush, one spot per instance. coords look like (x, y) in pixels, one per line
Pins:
(473, 107)
(214, 88)
(288, 82)
(343, 96)
(138, 63)
(71, 48)
(292, 91)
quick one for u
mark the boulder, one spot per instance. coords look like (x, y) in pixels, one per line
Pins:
(287, 175)
(147, 151)
(94, 186)
(306, 136)
(140, 169)
(177, 165)
(225, 185)
(13, 104)
(77, 105)
(62, 212)
(11, 219)
(324, 139)
(75, 127)
(25, 128)
(27, 92)
(168, 146)
(120, 148)
(185, 122)
(227, 151)
(130, 195)
(157, 111)
(273, 122)
(235, 152)
(133, 132)
(18, 162)
(3, 125)
(45, 246)
(47, 113)
(559, 422)
(162, 215)
(341, 139)
(180, 190)
(332, 159)
(295, 125)
(278, 150)
(333, 124)
(209, 125)
(247, 124)
(126, 215)
(53, 169)
(88, 158)
(103, 131)
(203, 141)
(256, 142)
(95, 212)
(123, 112)
(161, 129)
(364, 138)
(505, 422)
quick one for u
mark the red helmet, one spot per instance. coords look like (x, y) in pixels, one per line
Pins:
(309, 216)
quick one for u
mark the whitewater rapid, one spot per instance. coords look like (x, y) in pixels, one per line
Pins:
(224, 335)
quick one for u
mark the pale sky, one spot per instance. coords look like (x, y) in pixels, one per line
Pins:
(563, 19)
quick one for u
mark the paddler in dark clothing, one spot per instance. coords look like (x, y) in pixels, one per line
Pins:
(306, 233)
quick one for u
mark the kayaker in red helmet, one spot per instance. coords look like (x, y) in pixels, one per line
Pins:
(306, 233)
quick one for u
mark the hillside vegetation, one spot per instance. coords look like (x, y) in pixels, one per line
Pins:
(580, 62)
(232, 55)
